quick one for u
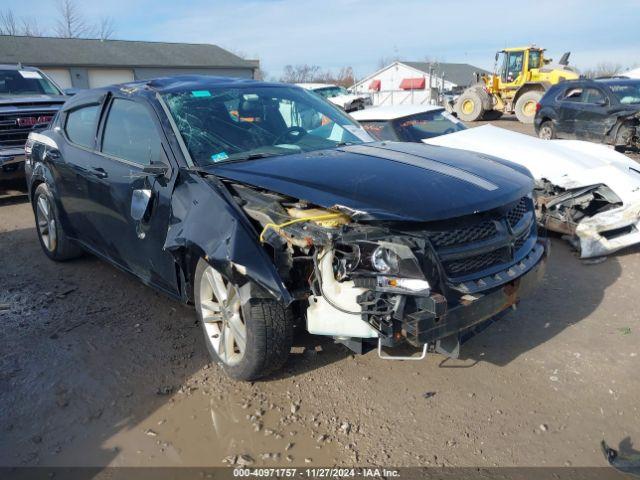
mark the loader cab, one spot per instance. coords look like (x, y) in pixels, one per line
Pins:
(517, 63)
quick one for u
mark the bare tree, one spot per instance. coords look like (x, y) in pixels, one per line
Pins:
(8, 23)
(603, 69)
(31, 28)
(300, 73)
(105, 28)
(71, 23)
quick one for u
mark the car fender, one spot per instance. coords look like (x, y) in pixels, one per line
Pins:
(207, 223)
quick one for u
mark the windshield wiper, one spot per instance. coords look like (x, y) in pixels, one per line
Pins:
(249, 156)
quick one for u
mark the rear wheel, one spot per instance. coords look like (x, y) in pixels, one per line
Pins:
(526, 106)
(53, 239)
(547, 130)
(250, 339)
(469, 106)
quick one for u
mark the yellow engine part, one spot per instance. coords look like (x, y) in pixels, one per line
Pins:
(319, 216)
(324, 218)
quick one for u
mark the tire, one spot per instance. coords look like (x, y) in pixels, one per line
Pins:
(53, 239)
(469, 106)
(526, 106)
(547, 130)
(249, 340)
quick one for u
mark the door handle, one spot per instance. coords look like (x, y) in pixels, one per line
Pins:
(99, 172)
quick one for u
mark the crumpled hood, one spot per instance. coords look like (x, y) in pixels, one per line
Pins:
(565, 163)
(388, 180)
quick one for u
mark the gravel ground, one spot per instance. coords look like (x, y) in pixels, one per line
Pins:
(96, 369)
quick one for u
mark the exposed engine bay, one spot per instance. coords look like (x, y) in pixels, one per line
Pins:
(359, 281)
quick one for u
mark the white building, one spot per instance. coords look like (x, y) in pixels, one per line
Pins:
(415, 82)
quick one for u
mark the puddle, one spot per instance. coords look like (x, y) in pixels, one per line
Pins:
(203, 429)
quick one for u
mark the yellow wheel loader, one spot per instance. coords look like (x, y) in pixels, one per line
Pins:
(515, 87)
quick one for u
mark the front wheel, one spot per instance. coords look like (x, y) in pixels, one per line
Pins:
(249, 339)
(469, 106)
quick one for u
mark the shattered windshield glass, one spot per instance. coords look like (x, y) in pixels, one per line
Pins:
(626, 92)
(223, 124)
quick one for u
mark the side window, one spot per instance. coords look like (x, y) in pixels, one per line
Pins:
(130, 133)
(81, 125)
(574, 95)
(595, 96)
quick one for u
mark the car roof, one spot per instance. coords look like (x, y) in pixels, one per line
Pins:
(313, 86)
(618, 81)
(178, 83)
(391, 112)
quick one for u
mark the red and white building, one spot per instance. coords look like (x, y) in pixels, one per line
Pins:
(415, 83)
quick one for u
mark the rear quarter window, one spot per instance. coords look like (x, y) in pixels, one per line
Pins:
(81, 125)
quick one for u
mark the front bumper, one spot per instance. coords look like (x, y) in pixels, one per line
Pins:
(11, 157)
(443, 321)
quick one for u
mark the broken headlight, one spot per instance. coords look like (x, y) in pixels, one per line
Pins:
(385, 260)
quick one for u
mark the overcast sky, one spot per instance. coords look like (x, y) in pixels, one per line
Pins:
(336, 33)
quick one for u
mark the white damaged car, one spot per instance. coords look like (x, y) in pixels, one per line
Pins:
(588, 192)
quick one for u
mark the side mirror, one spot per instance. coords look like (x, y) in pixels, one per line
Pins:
(602, 102)
(156, 169)
(140, 203)
(70, 91)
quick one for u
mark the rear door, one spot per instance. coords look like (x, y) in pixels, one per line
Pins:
(590, 121)
(72, 165)
(130, 138)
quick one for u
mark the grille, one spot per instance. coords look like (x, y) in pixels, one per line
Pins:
(516, 213)
(15, 128)
(461, 236)
(521, 241)
(477, 262)
(451, 245)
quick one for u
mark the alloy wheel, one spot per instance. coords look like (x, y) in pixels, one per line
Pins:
(46, 222)
(545, 133)
(222, 316)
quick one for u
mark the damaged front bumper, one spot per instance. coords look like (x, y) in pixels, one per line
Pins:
(444, 320)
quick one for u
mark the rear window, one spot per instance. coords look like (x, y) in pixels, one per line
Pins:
(627, 93)
(381, 130)
(81, 125)
(416, 128)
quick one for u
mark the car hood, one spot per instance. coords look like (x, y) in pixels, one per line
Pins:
(31, 99)
(565, 163)
(388, 180)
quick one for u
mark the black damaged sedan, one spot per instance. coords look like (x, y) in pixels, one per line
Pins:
(267, 207)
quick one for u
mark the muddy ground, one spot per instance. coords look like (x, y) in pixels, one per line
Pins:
(97, 369)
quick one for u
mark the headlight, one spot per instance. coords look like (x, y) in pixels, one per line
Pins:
(384, 260)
